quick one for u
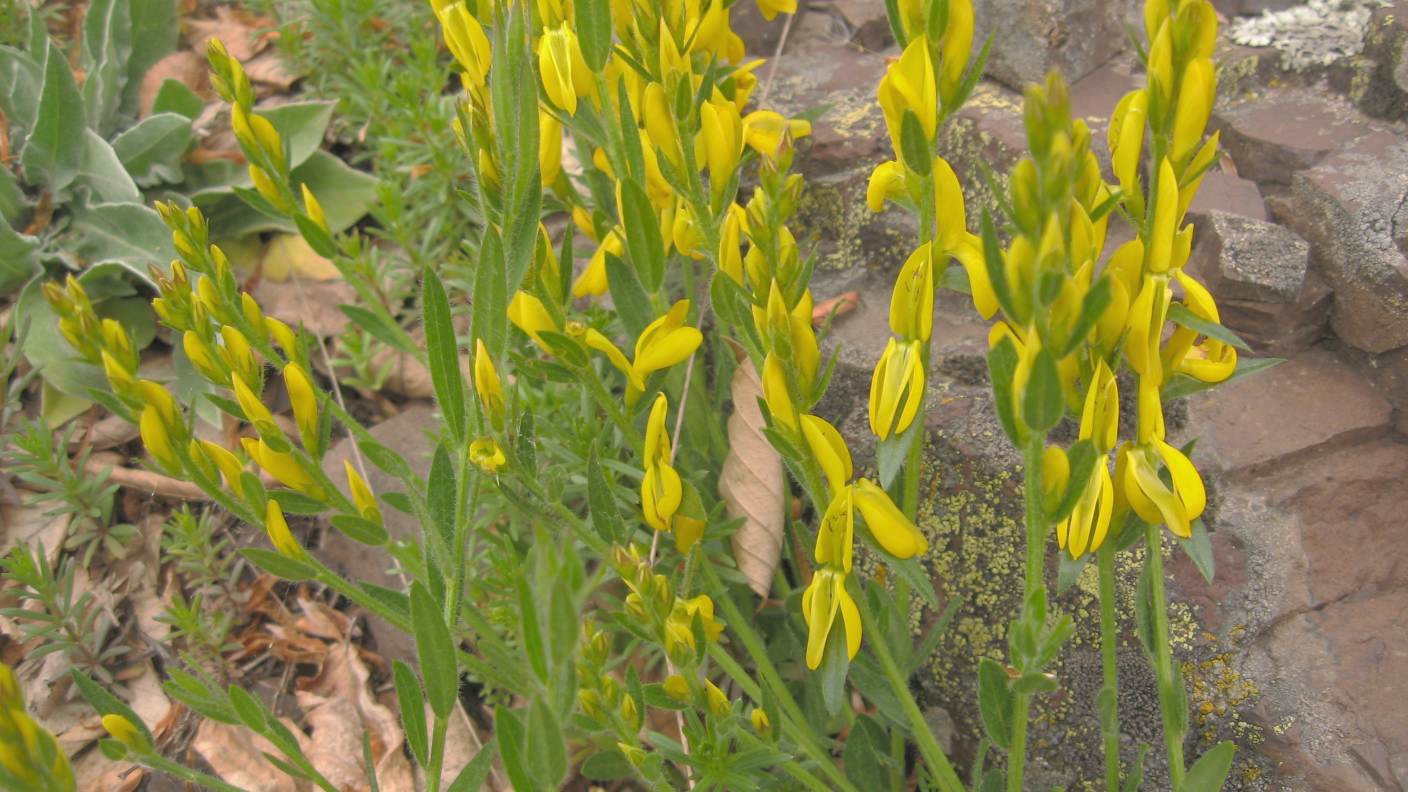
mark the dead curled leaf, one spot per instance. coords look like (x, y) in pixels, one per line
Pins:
(752, 485)
(836, 307)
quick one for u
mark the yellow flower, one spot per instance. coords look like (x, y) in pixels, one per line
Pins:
(565, 74)
(126, 732)
(912, 302)
(237, 354)
(661, 490)
(730, 242)
(909, 86)
(1084, 530)
(486, 382)
(530, 315)
(763, 130)
(1157, 502)
(718, 702)
(721, 135)
(829, 450)
(970, 254)
(283, 335)
(157, 440)
(776, 394)
(279, 534)
(956, 46)
(1100, 416)
(950, 213)
(285, 467)
(703, 607)
(887, 182)
(660, 122)
(1195, 98)
(887, 524)
(253, 408)
(825, 597)
(1160, 241)
(771, 8)
(1146, 324)
(835, 536)
(362, 495)
(305, 405)
(1210, 361)
(592, 282)
(549, 147)
(663, 343)
(467, 42)
(227, 463)
(313, 209)
(1126, 139)
(676, 687)
(896, 388)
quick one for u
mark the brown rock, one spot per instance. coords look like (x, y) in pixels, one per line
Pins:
(1032, 37)
(1225, 192)
(1252, 260)
(1283, 329)
(1308, 404)
(1351, 209)
(867, 20)
(1272, 135)
(1094, 96)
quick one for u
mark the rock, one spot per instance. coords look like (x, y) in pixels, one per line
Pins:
(1351, 209)
(985, 136)
(842, 78)
(1309, 404)
(1032, 37)
(1273, 135)
(1385, 91)
(760, 36)
(1388, 373)
(870, 27)
(1226, 192)
(409, 434)
(1244, 259)
(1285, 329)
(1094, 96)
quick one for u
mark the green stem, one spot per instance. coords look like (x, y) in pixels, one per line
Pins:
(795, 724)
(1173, 736)
(361, 598)
(437, 753)
(177, 770)
(618, 417)
(1110, 727)
(929, 748)
(1035, 580)
(896, 760)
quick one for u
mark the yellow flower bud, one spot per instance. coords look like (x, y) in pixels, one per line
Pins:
(824, 599)
(126, 732)
(279, 535)
(486, 382)
(909, 86)
(660, 122)
(285, 467)
(721, 134)
(253, 407)
(776, 394)
(680, 645)
(119, 376)
(304, 398)
(761, 724)
(912, 302)
(313, 209)
(564, 72)
(227, 463)
(362, 495)
(676, 687)
(765, 130)
(486, 454)
(266, 187)
(890, 527)
(466, 41)
(157, 439)
(549, 148)
(630, 713)
(633, 753)
(829, 450)
(283, 335)
(719, 704)
(1195, 98)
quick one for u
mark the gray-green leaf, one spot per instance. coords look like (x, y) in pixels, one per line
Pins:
(152, 150)
(54, 150)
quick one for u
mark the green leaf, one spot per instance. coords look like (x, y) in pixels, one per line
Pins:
(1002, 366)
(632, 303)
(866, 753)
(102, 173)
(18, 261)
(1135, 778)
(1043, 404)
(914, 145)
(54, 148)
(436, 652)
(913, 572)
(1179, 314)
(440, 502)
(607, 765)
(21, 80)
(831, 676)
(443, 353)
(531, 629)
(107, 43)
(126, 233)
(297, 503)
(594, 31)
(1183, 385)
(489, 321)
(891, 453)
(380, 326)
(1209, 773)
(474, 774)
(106, 703)
(175, 97)
(1034, 682)
(360, 529)
(997, 271)
(152, 150)
(155, 26)
(1199, 549)
(512, 746)
(546, 745)
(48, 351)
(251, 713)
(1091, 309)
(411, 700)
(278, 565)
(601, 501)
(995, 702)
(302, 126)
(643, 242)
(1070, 570)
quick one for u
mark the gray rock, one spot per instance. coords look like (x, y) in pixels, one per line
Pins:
(1350, 208)
(1032, 37)
(1229, 193)
(1245, 259)
(1276, 133)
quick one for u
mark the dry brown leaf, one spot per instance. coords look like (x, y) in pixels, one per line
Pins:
(310, 304)
(340, 707)
(236, 755)
(237, 29)
(184, 66)
(31, 525)
(752, 485)
(269, 68)
(288, 255)
(836, 307)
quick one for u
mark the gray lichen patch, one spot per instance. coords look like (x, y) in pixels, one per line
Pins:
(1318, 33)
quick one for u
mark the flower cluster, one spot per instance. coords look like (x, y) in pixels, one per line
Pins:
(30, 757)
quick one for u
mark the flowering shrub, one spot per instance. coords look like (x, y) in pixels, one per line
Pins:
(572, 557)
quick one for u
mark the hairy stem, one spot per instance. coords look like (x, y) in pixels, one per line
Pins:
(1034, 581)
(1173, 735)
(1109, 727)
